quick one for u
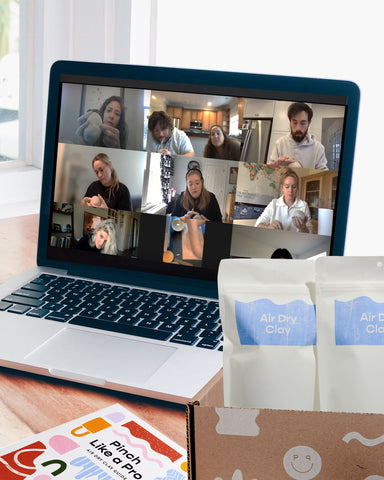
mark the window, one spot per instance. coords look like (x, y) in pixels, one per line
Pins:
(234, 125)
(335, 151)
(9, 80)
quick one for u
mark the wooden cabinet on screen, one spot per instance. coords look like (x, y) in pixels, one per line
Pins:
(207, 117)
(319, 191)
(185, 123)
(175, 112)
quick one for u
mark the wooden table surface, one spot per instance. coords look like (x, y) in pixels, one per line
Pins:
(30, 403)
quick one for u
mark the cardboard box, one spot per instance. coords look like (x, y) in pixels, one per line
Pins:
(261, 444)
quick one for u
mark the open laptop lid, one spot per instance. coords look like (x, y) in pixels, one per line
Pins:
(242, 188)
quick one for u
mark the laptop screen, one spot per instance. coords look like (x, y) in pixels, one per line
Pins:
(169, 170)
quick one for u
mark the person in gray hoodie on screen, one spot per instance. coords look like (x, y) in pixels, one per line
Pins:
(299, 148)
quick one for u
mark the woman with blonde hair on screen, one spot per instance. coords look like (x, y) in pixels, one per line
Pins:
(101, 240)
(288, 212)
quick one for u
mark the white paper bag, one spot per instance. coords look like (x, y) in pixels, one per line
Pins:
(350, 326)
(268, 319)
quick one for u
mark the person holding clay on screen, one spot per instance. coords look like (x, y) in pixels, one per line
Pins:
(107, 191)
(196, 201)
(288, 212)
(104, 127)
(299, 148)
(163, 137)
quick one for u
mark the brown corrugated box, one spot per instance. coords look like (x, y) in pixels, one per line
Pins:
(262, 444)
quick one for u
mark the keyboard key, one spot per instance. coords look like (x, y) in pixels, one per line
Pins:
(190, 322)
(207, 308)
(28, 293)
(187, 306)
(4, 305)
(150, 307)
(185, 330)
(130, 303)
(169, 302)
(209, 343)
(128, 319)
(109, 308)
(145, 315)
(70, 302)
(170, 327)
(212, 334)
(89, 312)
(148, 323)
(190, 314)
(18, 309)
(92, 297)
(168, 310)
(59, 316)
(209, 316)
(128, 312)
(36, 287)
(54, 298)
(44, 279)
(111, 300)
(38, 312)
(52, 306)
(207, 324)
(184, 339)
(168, 318)
(122, 328)
(109, 317)
(32, 302)
(71, 310)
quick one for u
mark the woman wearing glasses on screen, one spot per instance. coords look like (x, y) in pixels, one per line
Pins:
(288, 212)
(104, 127)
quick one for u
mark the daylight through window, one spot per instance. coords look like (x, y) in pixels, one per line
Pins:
(9, 80)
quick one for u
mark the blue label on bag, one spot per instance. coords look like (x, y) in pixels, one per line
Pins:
(359, 322)
(262, 322)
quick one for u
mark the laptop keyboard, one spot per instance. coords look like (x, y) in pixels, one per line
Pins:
(133, 311)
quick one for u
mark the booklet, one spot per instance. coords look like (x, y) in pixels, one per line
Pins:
(110, 444)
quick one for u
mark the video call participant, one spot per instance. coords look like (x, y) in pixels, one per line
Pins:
(107, 191)
(197, 200)
(102, 240)
(220, 145)
(193, 238)
(105, 127)
(281, 253)
(163, 137)
(299, 148)
(288, 212)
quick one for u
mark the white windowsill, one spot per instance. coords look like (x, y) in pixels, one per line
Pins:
(20, 190)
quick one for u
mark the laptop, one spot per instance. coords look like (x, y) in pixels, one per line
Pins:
(124, 295)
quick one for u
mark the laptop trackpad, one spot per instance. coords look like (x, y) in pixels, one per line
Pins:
(100, 356)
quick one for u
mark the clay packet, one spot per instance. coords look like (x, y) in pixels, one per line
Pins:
(350, 323)
(269, 327)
